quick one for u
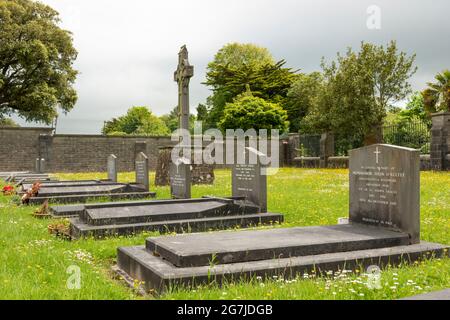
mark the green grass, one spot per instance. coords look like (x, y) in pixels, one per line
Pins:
(34, 263)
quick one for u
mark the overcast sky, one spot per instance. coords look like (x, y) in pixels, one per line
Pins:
(128, 49)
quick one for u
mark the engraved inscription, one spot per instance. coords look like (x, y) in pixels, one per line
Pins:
(245, 173)
(377, 184)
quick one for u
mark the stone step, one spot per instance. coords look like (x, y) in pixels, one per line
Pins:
(80, 190)
(154, 212)
(73, 210)
(76, 210)
(81, 198)
(157, 274)
(192, 250)
(61, 184)
(81, 229)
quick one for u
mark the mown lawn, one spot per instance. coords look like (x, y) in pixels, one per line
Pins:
(34, 264)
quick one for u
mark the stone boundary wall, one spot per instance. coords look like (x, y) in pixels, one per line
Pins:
(19, 148)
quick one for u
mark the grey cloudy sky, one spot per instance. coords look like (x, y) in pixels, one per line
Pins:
(128, 49)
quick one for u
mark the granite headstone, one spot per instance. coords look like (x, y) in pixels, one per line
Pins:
(385, 188)
(40, 165)
(249, 180)
(141, 165)
(180, 179)
(112, 168)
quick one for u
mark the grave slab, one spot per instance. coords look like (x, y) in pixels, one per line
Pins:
(168, 215)
(79, 228)
(66, 211)
(78, 183)
(151, 212)
(436, 295)
(158, 274)
(195, 250)
(77, 198)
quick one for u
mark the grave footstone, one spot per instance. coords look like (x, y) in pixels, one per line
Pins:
(180, 179)
(141, 165)
(385, 188)
(250, 180)
(112, 168)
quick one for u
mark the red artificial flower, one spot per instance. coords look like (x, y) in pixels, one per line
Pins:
(8, 188)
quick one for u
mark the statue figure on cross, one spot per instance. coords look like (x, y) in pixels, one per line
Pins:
(182, 76)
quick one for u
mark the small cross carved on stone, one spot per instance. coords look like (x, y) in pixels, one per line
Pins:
(377, 153)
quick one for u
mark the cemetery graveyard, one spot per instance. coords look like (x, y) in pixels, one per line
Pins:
(245, 208)
(287, 241)
(330, 184)
(383, 229)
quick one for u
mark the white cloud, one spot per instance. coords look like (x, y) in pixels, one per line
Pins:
(128, 49)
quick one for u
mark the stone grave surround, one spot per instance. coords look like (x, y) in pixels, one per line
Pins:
(27, 177)
(382, 231)
(174, 215)
(82, 191)
(247, 207)
(435, 295)
(91, 191)
(25, 185)
(6, 174)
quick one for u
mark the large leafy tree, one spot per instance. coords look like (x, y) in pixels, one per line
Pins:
(239, 54)
(359, 87)
(415, 109)
(250, 112)
(237, 66)
(36, 58)
(301, 97)
(8, 122)
(171, 120)
(437, 95)
(137, 121)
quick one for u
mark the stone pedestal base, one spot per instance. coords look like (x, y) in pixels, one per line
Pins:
(200, 173)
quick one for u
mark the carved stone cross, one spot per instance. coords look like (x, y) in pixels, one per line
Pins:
(377, 153)
(182, 76)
